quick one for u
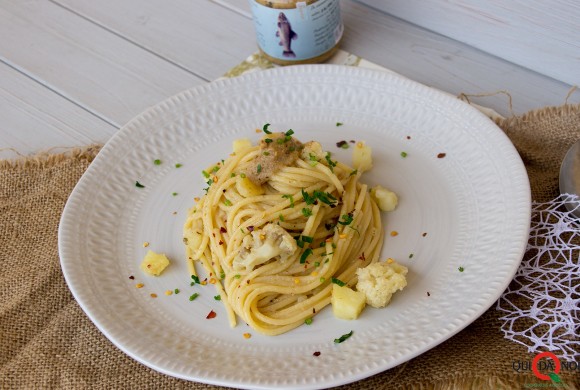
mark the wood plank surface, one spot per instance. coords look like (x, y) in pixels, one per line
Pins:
(537, 34)
(203, 37)
(98, 70)
(34, 118)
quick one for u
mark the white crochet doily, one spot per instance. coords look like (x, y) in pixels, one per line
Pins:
(546, 287)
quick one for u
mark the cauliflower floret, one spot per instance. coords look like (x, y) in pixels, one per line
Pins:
(386, 200)
(379, 281)
(272, 241)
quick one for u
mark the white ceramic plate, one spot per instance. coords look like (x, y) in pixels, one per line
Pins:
(469, 209)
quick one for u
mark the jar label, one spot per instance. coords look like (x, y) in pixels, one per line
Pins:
(300, 33)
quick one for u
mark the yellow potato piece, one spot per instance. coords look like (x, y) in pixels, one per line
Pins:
(154, 263)
(347, 304)
(362, 157)
(247, 188)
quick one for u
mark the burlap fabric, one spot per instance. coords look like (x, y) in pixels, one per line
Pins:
(46, 341)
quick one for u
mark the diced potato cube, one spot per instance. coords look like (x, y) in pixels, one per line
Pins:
(362, 158)
(386, 200)
(154, 263)
(247, 188)
(347, 303)
(240, 145)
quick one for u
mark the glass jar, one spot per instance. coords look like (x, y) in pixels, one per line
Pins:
(297, 32)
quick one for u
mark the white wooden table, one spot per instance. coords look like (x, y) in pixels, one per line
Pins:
(72, 72)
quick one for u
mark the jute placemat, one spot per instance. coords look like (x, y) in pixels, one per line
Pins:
(46, 341)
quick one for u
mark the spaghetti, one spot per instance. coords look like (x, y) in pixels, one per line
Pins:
(280, 221)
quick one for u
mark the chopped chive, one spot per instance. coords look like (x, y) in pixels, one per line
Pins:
(228, 202)
(222, 275)
(461, 269)
(157, 162)
(268, 140)
(308, 321)
(307, 239)
(237, 276)
(289, 197)
(217, 297)
(338, 281)
(306, 253)
(403, 154)
(265, 129)
(178, 165)
(243, 175)
(139, 185)
(289, 133)
(259, 168)
(338, 124)
(193, 296)
(281, 217)
(176, 291)
(306, 212)
(174, 193)
(205, 174)
(195, 279)
(343, 337)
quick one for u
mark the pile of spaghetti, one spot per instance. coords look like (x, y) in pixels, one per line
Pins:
(280, 221)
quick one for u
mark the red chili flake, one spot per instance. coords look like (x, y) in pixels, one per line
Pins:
(221, 242)
(441, 155)
(362, 257)
(408, 137)
(317, 353)
(211, 315)
(131, 277)
(223, 230)
(250, 228)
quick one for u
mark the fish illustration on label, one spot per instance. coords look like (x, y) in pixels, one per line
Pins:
(286, 35)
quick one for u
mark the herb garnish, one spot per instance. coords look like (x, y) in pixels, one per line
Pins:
(306, 212)
(331, 164)
(193, 296)
(306, 253)
(157, 162)
(338, 281)
(346, 219)
(139, 185)
(195, 279)
(343, 337)
(265, 129)
(289, 197)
